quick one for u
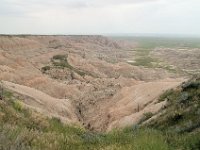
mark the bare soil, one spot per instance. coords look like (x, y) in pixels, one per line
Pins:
(99, 90)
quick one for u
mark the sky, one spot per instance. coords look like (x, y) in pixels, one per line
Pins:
(100, 17)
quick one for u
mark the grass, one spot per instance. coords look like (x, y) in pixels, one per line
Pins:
(22, 129)
(180, 120)
(144, 59)
(146, 116)
(165, 96)
(147, 44)
(169, 42)
(182, 113)
(60, 61)
(177, 128)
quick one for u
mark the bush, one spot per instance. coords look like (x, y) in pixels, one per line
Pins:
(17, 105)
(191, 85)
(165, 96)
(146, 116)
(45, 68)
(60, 57)
(63, 63)
(184, 97)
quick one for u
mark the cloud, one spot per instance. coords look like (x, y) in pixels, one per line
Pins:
(99, 16)
(24, 6)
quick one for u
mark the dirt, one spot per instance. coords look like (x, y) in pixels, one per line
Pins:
(109, 93)
(185, 59)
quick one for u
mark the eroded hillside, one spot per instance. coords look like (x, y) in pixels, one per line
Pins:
(82, 79)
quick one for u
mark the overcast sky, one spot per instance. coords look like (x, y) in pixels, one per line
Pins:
(99, 16)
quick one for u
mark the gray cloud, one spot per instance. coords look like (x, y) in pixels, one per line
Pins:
(23, 6)
(99, 16)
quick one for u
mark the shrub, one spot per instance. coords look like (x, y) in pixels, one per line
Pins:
(175, 117)
(146, 116)
(60, 57)
(191, 85)
(184, 96)
(63, 63)
(165, 95)
(17, 105)
(45, 68)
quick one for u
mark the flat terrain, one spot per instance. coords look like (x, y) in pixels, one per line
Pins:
(179, 55)
(98, 82)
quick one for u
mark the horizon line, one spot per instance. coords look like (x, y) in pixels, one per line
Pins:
(108, 34)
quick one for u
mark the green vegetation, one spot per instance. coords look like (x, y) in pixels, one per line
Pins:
(60, 61)
(22, 129)
(143, 58)
(144, 45)
(59, 57)
(180, 120)
(146, 116)
(182, 112)
(169, 42)
(144, 61)
(176, 128)
(45, 68)
(165, 96)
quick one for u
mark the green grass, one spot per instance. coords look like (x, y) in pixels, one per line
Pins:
(177, 128)
(168, 42)
(21, 128)
(144, 59)
(165, 96)
(180, 120)
(146, 116)
(182, 113)
(147, 44)
(61, 61)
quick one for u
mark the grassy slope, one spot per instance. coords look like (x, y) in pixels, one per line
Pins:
(22, 129)
(180, 120)
(176, 128)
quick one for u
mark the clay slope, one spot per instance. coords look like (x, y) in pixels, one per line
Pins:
(88, 82)
(133, 102)
(39, 101)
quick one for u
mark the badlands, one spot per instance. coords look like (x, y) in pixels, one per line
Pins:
(85, 80)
